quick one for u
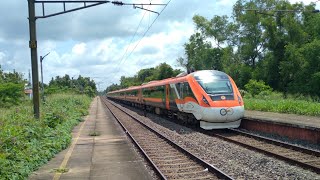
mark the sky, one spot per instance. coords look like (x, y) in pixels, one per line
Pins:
(103, 42)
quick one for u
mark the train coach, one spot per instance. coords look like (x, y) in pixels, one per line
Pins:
(210, 97)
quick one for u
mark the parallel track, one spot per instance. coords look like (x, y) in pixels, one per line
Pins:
(168, 159)
(303, 157)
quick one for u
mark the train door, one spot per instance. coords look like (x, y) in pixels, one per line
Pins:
(180, 100)
(167, 96)
(174, 97)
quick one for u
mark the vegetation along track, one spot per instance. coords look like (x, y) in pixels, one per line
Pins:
(169, 160)
(303, 157)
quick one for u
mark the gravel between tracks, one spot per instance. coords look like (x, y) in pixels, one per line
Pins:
(238, 162)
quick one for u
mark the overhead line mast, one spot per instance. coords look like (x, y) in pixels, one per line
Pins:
(33, 35)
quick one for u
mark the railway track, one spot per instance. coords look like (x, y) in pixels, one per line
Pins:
(303, 157)
(168, 159)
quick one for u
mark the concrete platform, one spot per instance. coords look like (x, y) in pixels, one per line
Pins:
(311, 122)
(290, 125)
(110, 155)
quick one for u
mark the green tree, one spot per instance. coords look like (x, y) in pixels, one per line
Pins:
(255, 87)
(80, 85)
(143, 74)
(200, 54)
(10, 94)
(164, 71)
(11, 88)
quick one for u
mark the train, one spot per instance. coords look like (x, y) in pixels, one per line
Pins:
(209, 98)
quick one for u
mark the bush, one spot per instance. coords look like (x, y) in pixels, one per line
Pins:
(27, 143)
(255, 87)
(10, 94)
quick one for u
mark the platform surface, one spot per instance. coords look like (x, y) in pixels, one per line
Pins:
(294, 119)
(110, 155)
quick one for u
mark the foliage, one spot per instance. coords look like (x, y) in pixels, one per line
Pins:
(11, 88)
(162, 71)
(11, 77)
(27, 143)
(275, 102)
(10, 94)
(81, 85)
(255, 87)
(280, 48)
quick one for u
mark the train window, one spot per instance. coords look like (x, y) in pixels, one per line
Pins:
(179, 88)
(173, 93)
(154, 92)
(132, 93)
(187, 91)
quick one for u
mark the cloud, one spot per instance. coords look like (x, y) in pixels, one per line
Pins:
(79, 49)
(2, 57)
(95, 42)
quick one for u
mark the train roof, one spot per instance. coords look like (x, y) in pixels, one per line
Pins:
(179, 78)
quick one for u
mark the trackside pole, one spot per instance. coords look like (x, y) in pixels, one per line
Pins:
(34, 60)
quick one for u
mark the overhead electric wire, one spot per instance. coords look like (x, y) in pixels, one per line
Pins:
(132, 38)
(147, 30)
(124, 59)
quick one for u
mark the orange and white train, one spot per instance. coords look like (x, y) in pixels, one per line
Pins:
(210, 97)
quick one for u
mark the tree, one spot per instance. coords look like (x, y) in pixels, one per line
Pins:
(162, 71)
(200, 54)
(11, 88)
(143, 74)
(80, 85)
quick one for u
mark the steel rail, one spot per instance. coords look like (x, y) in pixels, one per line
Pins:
(210, 167)
(279, 143)
(270, 141)
(156, 169)
(274, 154)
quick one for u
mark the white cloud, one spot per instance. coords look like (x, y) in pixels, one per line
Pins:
(2, 57)
(92, 42)
(79, 49)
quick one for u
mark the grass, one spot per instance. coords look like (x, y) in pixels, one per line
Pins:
(275, 102)
(27, 143)
(94, 133)
(61, 170)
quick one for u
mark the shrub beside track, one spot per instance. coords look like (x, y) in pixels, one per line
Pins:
(27, 143)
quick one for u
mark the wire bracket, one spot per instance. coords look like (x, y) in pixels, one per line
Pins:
(87, 4)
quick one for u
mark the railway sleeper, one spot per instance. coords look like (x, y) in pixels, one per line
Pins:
(196, 167)
(189, 175)
(172, 160)
(172, 156)
(177, 165)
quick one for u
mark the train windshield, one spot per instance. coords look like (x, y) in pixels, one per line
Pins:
(214, 82)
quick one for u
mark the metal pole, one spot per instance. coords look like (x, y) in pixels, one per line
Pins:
(42, 87)
(34, 58)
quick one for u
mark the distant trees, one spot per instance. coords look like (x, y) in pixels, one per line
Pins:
(81, 85)
(162, 71)
(11, 88)
(261, 41)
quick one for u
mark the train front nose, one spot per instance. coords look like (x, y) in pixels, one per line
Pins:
(222, 114)
(222, 117)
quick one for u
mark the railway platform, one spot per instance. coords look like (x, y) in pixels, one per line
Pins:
(99, 150)
(293, 126)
